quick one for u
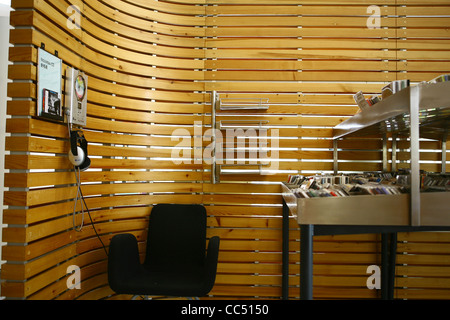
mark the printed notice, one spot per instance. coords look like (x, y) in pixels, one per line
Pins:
(49, 86)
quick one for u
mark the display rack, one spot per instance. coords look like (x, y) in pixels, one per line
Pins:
(419, 111)
(424, 106)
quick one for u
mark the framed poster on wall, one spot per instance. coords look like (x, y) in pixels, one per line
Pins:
(49, 74)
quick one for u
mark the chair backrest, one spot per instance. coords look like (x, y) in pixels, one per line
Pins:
(176, 236)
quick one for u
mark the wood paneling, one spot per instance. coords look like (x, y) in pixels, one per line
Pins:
(151, 67)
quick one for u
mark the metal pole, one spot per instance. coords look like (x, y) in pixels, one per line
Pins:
(415, 156)
(213, 137)
(392, 262)
(388, 261)
(285, 253)
(385, 160)
(394, 153)
(306, 261)
(384, 265)
(335, 157)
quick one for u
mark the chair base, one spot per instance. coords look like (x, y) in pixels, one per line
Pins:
(143, 297)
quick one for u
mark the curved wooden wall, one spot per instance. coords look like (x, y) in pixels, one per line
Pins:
(144, 77)
(151, 67)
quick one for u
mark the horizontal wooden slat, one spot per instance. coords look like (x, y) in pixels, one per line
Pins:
(294, 9)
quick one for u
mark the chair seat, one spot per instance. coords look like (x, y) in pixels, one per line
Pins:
(165, 282)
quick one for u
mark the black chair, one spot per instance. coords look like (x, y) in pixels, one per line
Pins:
(176, 261)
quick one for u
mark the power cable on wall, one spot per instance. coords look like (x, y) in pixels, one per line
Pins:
(81, 162)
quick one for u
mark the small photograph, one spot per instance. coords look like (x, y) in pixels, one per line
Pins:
(51, 102)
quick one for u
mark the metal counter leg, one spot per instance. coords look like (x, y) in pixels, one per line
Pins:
(392, 262)
(384, 265)
(388, 260)
(285, 253)
(306, 262)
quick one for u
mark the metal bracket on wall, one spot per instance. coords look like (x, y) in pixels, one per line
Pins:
(224, 104)
(385, 153)
(239, 124)
(394, 153)
(214, 101)
(335, 156)
(243, 104)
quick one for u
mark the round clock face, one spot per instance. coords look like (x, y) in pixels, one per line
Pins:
(80, 87)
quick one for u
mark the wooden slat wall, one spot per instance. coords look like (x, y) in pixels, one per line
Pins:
(151, 67)
(309, 58)
(423, 51)
(144, 74)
